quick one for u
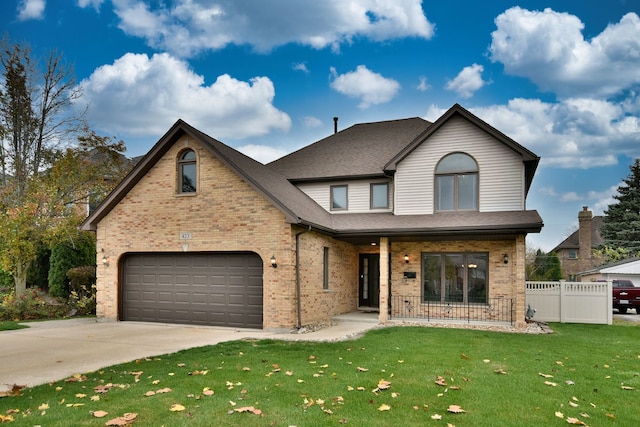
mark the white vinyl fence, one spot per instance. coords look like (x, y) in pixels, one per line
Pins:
(571, 302)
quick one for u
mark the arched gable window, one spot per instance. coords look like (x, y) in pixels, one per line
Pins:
(457, 183)
(187, 172)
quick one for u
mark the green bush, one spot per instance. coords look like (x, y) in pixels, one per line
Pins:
(34, 304)
(82, 285)
(67, 255)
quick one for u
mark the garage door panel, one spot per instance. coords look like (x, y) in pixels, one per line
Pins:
(221, 289)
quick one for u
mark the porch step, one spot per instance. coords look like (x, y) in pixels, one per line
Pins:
(358, 316)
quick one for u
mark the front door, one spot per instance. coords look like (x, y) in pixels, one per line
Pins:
(369, 289)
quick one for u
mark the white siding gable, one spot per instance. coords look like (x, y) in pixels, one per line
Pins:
(501, 170)
(358, 194)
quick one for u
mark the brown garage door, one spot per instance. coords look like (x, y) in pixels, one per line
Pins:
(216, 289)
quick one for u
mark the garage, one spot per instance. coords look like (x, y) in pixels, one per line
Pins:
(214, 289)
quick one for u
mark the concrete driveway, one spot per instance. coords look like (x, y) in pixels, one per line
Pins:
(54, 350)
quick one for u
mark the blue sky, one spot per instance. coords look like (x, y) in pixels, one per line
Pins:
(561, 77)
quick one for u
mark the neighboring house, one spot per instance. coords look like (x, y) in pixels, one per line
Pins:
(376, 216)
(576, 251)
(628, 269)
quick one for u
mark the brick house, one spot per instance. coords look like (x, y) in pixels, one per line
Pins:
(384, 216)
(576, 251)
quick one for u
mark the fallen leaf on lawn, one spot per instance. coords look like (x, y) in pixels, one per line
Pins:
(464, 356)
(208, 392)
(289, 373)
(626, 387)
(559, 414)
(455, 409)
(384, 407)
(361, 388)
(486, 360)
(7, 418)
(300, 381)
(249, 409)
(43, 407)
(436, 417)
(559, 363)
(545, 375)
(362, 369)
(349, 388)
(394, 395)
(124, 420)
(575, 421)
(246, 368)
(176, 407)
(549, 383)
(573, 404)
(76, 378)
(164, 390)
(613, 417)
(99, 414)
(500, 371)
(15, 391)
(441, 381)
(585, 415)
(569, 382)
(154, 382)
(384, 384)
(81, 395)
(150, 393)
(95, 398)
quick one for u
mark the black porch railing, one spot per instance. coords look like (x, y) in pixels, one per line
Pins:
(414, 307)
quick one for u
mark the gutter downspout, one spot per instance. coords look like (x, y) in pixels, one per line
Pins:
(298, 296)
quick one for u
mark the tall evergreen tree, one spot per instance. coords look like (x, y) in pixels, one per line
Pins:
(621, 226)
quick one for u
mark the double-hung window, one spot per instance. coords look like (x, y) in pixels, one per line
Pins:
(339, 198)
(380, 195)
(455, 277)
(187, 172)
(457, 183)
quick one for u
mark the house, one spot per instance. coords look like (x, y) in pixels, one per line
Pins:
(628, 269)
(385, 216)
(576, 251)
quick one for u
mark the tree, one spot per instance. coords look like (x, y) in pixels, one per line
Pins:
(543, 266)
(47, 159)
(621, 223)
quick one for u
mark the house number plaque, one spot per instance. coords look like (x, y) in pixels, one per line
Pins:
(185, 235)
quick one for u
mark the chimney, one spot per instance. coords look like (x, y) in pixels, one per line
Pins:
(584, 233)
(335, 125)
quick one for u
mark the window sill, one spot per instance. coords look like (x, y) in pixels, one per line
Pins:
(194, 194)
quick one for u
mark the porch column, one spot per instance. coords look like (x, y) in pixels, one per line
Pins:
(384, 280)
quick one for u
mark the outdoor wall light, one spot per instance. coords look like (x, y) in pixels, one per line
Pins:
(505, 258)
(406, 258)
(274, 264)
(105, 260)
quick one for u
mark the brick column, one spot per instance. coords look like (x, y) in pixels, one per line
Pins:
(520, 285)
(384, 280)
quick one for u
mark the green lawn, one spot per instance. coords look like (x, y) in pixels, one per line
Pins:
(8, 325)
(589, 373)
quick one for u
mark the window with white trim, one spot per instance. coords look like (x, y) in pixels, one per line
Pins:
(456, 183)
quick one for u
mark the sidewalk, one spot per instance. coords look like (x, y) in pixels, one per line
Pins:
(53, 350)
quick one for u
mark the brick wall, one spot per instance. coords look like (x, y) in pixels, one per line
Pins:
(227, 214)
(505, 280)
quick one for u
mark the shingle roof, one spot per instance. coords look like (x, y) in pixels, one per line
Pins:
(360, 150)
(573, 241)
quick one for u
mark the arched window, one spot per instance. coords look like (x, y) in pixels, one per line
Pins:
(187, 172)
(457, 183)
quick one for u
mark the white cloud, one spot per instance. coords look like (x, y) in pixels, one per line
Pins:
(31, 9)
(191, 26)
(548, 48)
(468, 81)
(300, 66)
(574, 133)
(312, 122)
(423, 86)
(371, 88)
(262, 153)
(571, 196)
(145, 96)
(95, 3)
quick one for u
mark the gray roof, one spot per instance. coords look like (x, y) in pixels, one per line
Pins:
(359, 151)
(573, 241)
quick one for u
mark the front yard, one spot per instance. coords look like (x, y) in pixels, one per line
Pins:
(402, 375)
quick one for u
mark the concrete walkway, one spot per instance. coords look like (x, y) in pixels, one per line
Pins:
(54, 350)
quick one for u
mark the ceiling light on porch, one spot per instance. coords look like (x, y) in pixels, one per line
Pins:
(374, 244)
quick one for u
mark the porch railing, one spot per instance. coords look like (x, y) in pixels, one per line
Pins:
(414, 307)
